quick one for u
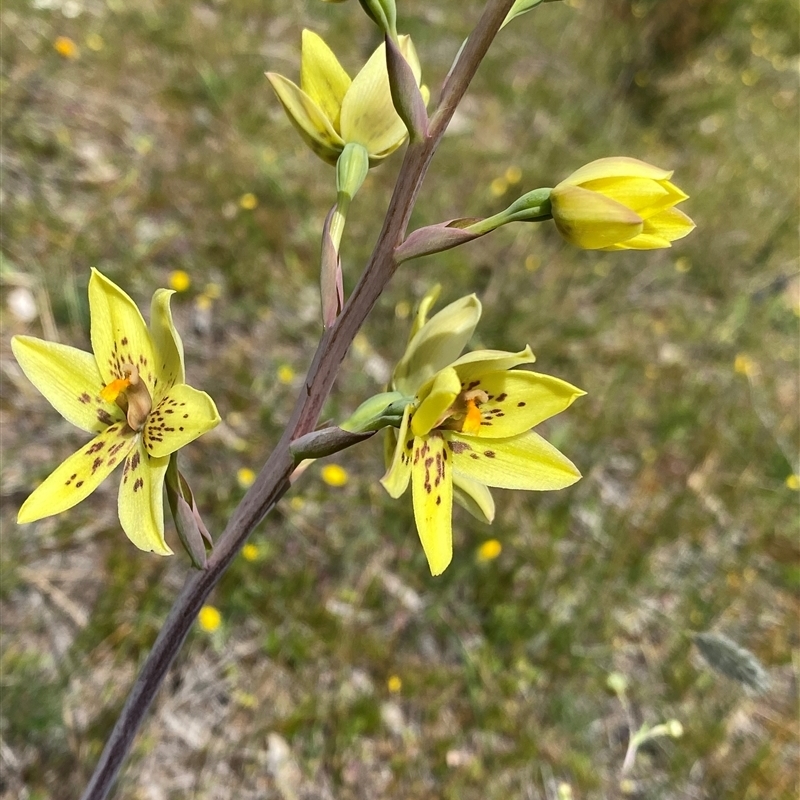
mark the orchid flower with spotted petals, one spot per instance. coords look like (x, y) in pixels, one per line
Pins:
(469, 426)
(131, 394)
(330, 110)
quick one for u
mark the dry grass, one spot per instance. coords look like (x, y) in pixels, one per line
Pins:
(133, 157)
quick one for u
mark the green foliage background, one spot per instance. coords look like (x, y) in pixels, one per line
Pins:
(133, 158)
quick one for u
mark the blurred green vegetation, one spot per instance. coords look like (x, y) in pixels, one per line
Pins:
(133, 154)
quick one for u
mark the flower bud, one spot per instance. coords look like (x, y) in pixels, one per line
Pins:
(619, 204)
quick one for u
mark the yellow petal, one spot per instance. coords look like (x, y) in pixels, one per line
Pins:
(78, 476)
(119, 334)
(308, 118)
(322, 77)
(368, 116)
(432, 492)
(637, 194)
(671, 225)
(519, 400)
(472, 365)
(70, 381)
(590, 220)
(395, 481)
(437, 344)
(474, 497)
(141, 501)
(435, 401)
(616, 167)
(520, 462)
(425, 305)
(182, 415)
(167, 343)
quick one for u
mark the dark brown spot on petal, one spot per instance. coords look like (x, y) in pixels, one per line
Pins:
(489, 453)
(438, 500)
(79, 484)
(501, 397)
(521, 404)
(137, 484)
(96, 447)
(459, 447)
(98, 462)
(104, 417)
(474, 455)
(85, 398)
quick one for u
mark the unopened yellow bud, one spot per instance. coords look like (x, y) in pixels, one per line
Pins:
(619, 204)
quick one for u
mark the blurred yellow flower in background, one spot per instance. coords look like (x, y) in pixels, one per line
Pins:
(489, 550)
(335, 475)
(209, 619)
(66, 48)
(179, 280)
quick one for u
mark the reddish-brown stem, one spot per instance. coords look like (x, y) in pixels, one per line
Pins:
(273, 480)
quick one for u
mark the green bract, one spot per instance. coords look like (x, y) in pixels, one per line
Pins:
(469, 426)
(131, 394)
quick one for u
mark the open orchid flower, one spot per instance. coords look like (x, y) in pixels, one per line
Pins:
(469, 425)
(131, 394)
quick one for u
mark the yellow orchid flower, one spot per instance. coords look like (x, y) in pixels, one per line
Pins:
(469, 426)
(619, 204)
(131, 394)
(329, 110)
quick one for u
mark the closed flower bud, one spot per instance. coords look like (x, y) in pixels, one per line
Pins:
(619, 204)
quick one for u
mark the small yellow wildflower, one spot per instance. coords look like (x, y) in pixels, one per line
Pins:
(489, 550)
(334, 475)
(682, 264)
(793, 482)
(212, 291)
(285, 374)
(248, 201)
(498, 187)
(394, 684)
(209, 619)
(250, 552)
(245, 477)
(513, 175)
(66, 48)
(744, 365)
(297, 503)
(179, 280)
(402, 310)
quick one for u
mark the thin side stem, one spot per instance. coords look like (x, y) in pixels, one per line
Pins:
(273, 480)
